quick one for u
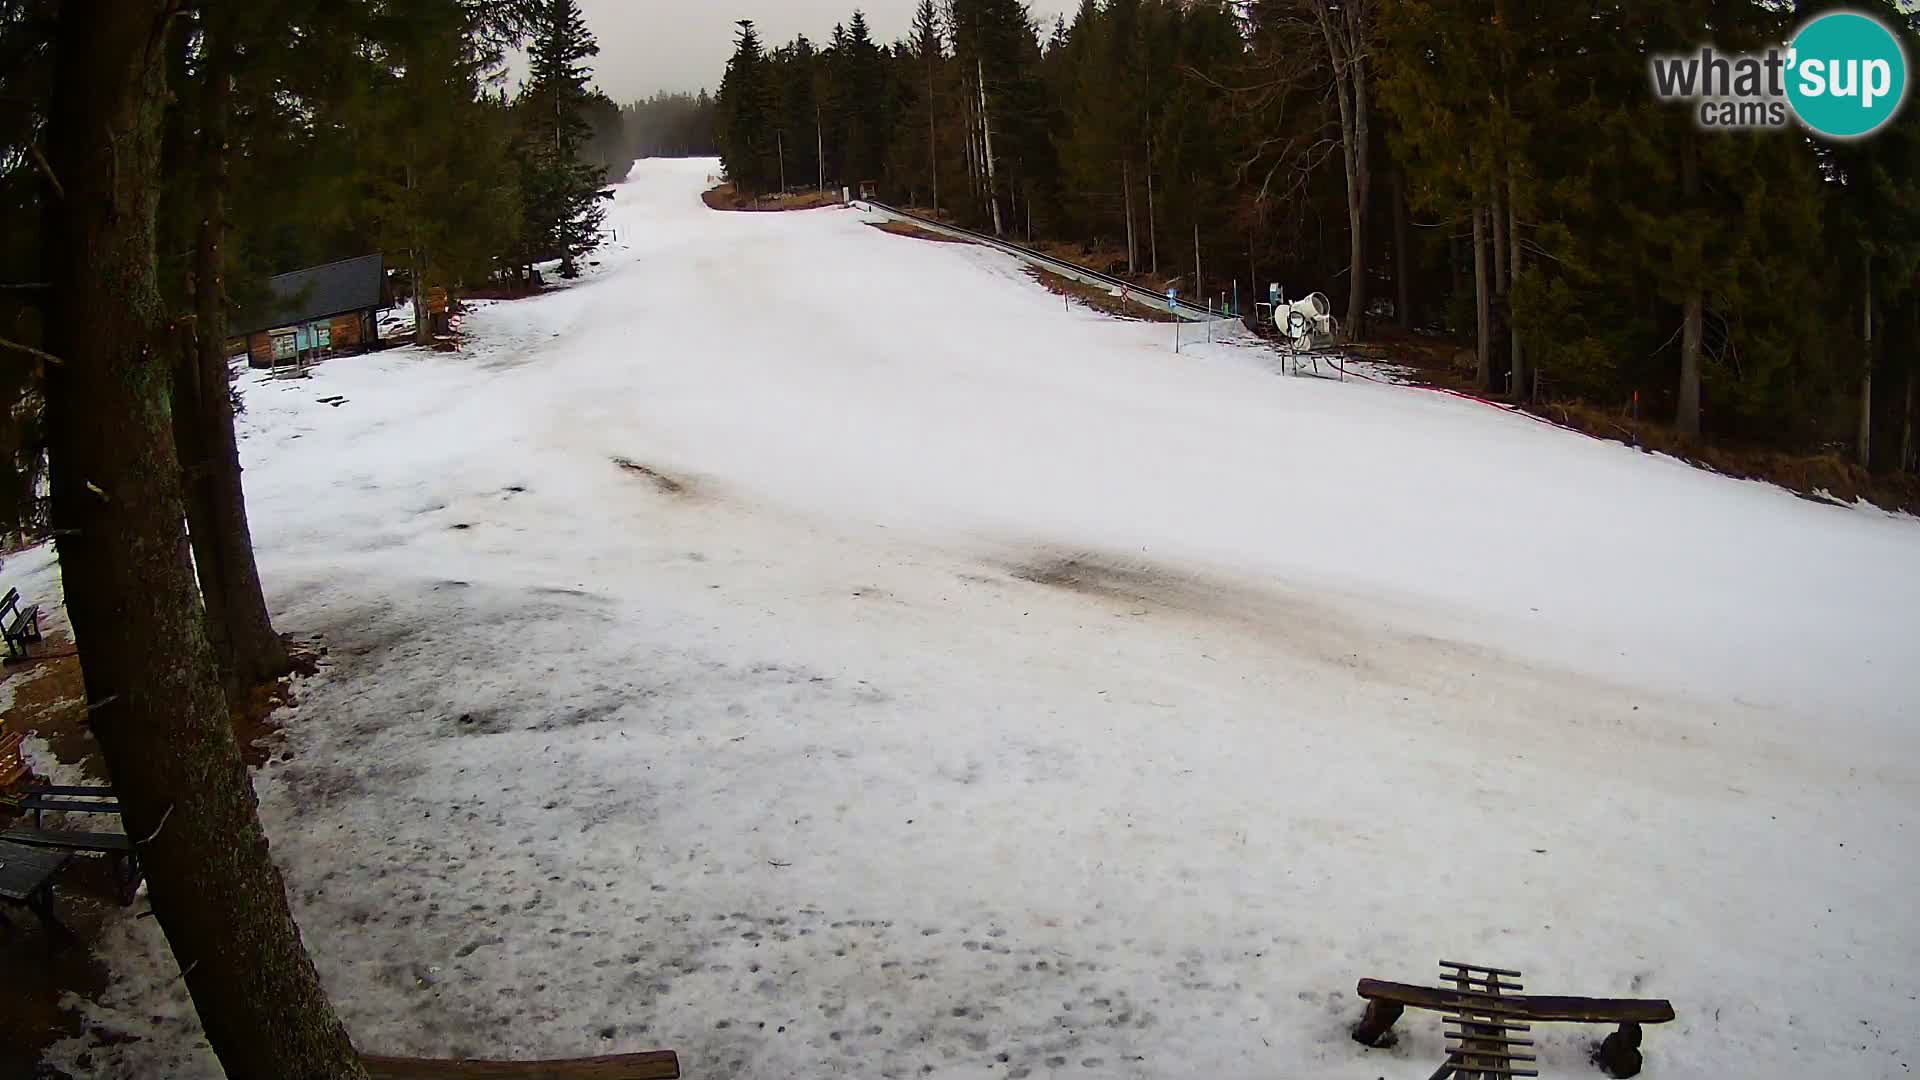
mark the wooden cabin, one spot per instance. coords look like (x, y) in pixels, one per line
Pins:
(316, 312)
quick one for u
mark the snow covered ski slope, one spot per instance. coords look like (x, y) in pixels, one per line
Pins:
(819, 652)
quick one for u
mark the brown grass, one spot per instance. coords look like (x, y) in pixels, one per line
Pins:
(1099, 299)
(725, 197)
(906, 228)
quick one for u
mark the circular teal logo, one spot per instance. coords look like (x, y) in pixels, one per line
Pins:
(1847, 75)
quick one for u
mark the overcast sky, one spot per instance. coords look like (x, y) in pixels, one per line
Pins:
(649, 45)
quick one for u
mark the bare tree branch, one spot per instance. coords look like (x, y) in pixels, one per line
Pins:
(8, 343)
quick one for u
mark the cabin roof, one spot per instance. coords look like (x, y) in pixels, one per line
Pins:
(317, 292)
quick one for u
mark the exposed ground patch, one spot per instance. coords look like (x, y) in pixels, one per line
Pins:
(667, 484)
(904, 228)
(725, 197)
(1138, 309)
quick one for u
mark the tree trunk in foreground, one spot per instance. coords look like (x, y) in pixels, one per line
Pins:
(155, 702)
(239, 626)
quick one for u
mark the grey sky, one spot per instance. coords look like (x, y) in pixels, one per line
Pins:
(649, 45)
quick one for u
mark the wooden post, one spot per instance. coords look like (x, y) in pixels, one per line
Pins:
(1379, 1019)
(1620, 1052)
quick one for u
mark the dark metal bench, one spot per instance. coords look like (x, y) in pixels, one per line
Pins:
(19, 625)
(117, 846)
(1619, 1054)
(26, 880)
(41, 803)
(43, 799)
(654, 1065)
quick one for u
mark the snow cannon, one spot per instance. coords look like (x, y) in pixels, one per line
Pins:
(1307, 321)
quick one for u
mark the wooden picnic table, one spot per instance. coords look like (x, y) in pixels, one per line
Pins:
(26, 880)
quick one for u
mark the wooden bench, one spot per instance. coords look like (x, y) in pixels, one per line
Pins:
(1619, 1054)
(654, 1065)
(13, 763)
(19, 625)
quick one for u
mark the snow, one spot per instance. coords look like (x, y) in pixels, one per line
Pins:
(954, 684)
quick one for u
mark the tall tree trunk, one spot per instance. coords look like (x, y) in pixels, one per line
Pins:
(1498, 212)
(1521, 391)
(1499, 239)
(1691, 332)
(422, 316)
(1402, 269)
(239, 626)
(1126, 201)
(1199, 282)
(1866, 370)
(1153, 233)
(1483, 346)
(1694, 304)
(986, 145)
(154, 700)
(1906, 427)
(933, 135)
(1346, 49)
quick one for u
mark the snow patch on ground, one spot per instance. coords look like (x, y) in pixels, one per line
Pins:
(824, 655)
(48, 766)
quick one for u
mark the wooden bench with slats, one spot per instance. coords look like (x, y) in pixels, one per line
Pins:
(1491, 1013)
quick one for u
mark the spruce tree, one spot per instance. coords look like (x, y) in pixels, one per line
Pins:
(561, 193)
(748, 149)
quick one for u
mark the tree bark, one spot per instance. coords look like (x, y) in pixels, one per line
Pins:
(1499, 239)
(239, 626)
(986, 146)
(1126, 201)
(1906, 428)
(155, 704)
(1688, 418)
(1199, 283)
(933, 133)
(1402, 273)
(1521, 391)
(1153, 232)
(1483, 348)
(1866, 370)
(1694, 305)
(1346, 33)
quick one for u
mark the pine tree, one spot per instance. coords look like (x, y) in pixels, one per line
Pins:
(748, 134)
(561, 193)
